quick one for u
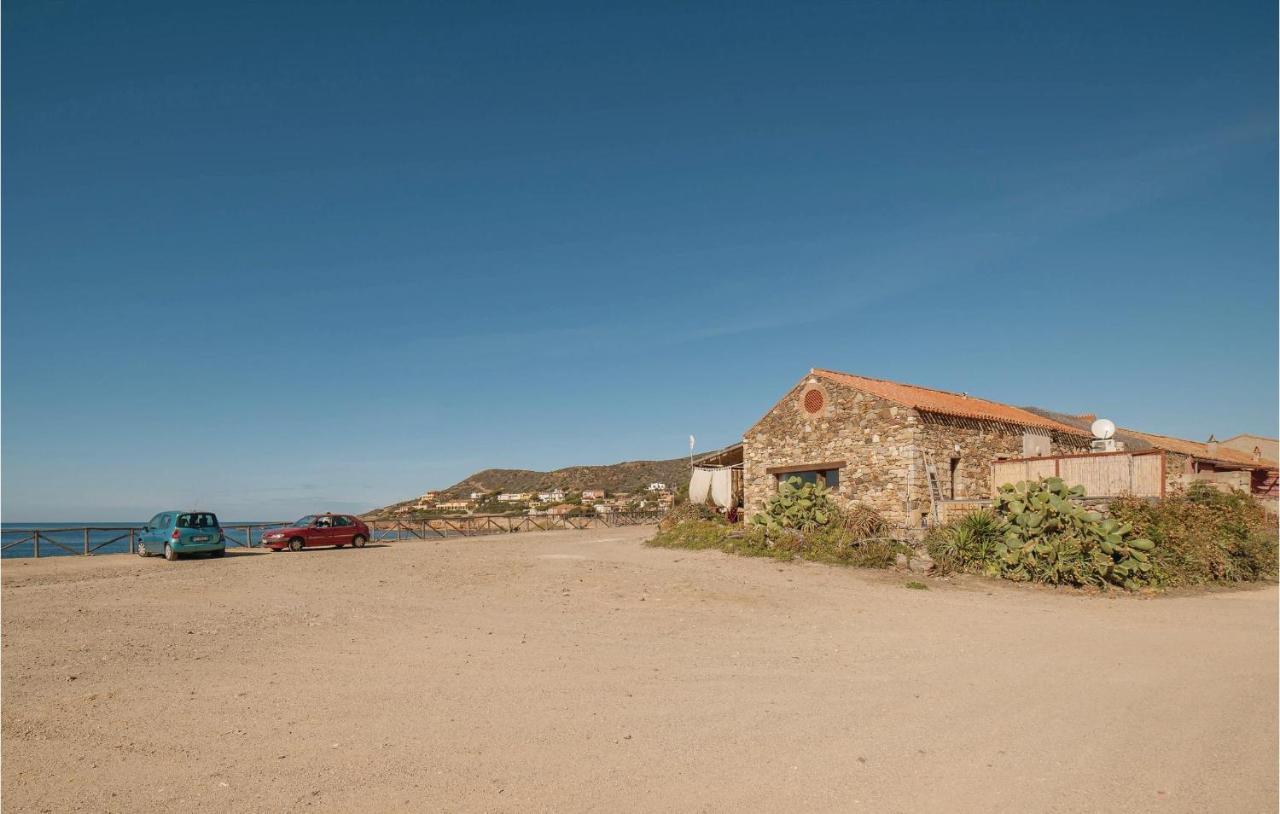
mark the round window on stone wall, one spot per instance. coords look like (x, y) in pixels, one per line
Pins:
(814, 401)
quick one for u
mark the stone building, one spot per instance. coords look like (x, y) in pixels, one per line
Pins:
(870, 440)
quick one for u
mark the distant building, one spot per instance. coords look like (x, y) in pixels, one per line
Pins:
(605, 508)
(554, 496)
(461, 505)
(1259, 446)
(593, 494)
(428, 499)
(514, 497)
(657, 486)
(555, 511)
(477, 495)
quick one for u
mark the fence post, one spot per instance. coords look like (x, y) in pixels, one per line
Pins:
(86, 542)
(37, 546)
(132, 532)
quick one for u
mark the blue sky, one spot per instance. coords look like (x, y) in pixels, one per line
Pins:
(276, 258)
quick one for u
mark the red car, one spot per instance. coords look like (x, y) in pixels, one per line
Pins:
(317, 530)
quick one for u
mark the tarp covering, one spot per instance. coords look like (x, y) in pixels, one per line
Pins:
(713, 482)
(722, 487)
(699, 486)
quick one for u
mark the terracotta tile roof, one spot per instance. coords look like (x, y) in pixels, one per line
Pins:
(942, 402)
(1199, 449)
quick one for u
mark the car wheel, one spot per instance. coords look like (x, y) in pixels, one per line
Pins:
(169, 553)
(358, 541)
(295, 544)
(221, 552)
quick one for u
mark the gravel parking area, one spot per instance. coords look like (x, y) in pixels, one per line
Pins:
(575, 671)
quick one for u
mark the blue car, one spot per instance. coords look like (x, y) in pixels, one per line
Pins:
(176, 533)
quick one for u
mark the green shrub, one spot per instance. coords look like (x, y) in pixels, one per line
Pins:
(695, 534)
(835, 545)
(1037, 531)
(967, 544)
(800, 522)
(861, 522)
(1051, 538)
(683, 512)
(790, 529)
(1204, 535)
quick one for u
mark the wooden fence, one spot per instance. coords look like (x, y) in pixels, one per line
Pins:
(1102, 474)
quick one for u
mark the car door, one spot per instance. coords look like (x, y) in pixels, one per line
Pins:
(148, 537)
(321, 532)
(160, 531)
(342, 530)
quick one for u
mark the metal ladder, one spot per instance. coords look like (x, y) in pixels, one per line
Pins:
(936, 495)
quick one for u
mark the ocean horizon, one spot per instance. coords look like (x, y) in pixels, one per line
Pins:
(66, 538)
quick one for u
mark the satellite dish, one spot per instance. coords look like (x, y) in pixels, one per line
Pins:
(1103, 429)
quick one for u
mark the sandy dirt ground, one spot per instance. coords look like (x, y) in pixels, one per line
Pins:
(576, 671)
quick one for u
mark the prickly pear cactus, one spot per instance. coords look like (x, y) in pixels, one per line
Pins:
(1050, 537)
(798, 506)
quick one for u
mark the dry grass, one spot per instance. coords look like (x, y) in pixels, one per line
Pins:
(834, 544)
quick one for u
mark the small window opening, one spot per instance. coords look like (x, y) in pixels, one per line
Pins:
(829, 478)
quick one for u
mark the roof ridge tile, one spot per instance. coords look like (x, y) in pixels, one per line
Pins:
(946, 402)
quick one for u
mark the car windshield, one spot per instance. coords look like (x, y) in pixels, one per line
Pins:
(197, 520)
(306, 521)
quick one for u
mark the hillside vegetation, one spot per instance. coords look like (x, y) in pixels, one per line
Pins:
(628, 476)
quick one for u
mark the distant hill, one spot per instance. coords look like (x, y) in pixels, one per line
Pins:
(628, 476)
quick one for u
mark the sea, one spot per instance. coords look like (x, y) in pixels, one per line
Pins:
(67, 538)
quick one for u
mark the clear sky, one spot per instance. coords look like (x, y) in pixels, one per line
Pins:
(271, 258)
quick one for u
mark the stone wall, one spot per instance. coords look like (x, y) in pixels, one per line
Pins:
(872, 436)
(883, 446)
(1180, 473)
(973, 445)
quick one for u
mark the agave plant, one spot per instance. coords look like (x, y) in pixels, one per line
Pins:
(969, 543)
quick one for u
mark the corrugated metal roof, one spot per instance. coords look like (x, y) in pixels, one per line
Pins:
(1131, 441)
(960, 405)
(725, 456)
